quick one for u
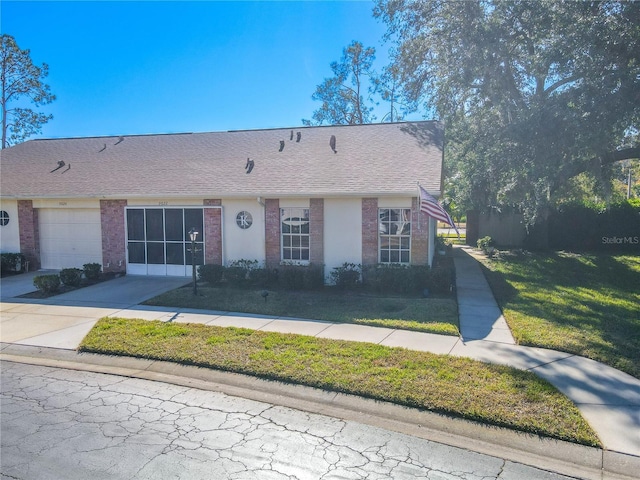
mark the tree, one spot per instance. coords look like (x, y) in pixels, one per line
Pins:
(21, 80)
(532, 92)
(342, 96)
(387, 86)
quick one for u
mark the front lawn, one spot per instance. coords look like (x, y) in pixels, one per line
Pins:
(432, 315)
(461, 387)
(587, 304)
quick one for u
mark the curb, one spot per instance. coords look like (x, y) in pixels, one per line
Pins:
(547, 454)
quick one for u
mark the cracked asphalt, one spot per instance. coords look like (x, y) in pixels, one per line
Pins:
(67, 424)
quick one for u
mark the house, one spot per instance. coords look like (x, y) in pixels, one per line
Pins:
(321, 195)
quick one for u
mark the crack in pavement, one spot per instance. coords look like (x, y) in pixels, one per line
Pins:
(60, 423)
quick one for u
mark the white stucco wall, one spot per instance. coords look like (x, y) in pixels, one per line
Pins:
(342, 233)
(242, 244)
(10, 233)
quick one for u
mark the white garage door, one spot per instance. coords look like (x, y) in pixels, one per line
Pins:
(69, 237)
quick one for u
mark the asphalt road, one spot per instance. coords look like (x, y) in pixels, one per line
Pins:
(66, 424)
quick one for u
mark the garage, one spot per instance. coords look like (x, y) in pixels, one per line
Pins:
(69, 237)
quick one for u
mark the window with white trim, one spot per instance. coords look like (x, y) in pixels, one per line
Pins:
(294, 231)
(394, 237)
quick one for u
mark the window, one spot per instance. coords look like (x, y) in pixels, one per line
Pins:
(244, 220)
(294, 227)
(394, 235)
(4, 218)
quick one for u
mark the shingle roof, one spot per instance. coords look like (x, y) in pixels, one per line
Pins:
(371, 160)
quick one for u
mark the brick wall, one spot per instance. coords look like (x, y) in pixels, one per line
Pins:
(369, 231)
(419, 234)
(29, 233)
(213, 231)
(272, 232)
(114, 240)
(316, 230)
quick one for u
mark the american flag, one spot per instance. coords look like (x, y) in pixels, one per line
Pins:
(430, 206)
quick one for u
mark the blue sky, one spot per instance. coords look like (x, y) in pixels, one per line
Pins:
(161, 67)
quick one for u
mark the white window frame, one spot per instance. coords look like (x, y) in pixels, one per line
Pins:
(295, 243)
(401, 235)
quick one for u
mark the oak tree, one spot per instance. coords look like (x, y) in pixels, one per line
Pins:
(532, 93)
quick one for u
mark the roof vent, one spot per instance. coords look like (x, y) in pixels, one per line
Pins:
(281, 145)
(103, 148)
(298, 136)
(332, 143)
(291, 137)
(249, 166)
(60, 165)
(120, 140)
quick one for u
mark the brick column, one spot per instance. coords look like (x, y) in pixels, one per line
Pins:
(272, 232)
(369, 231)
(29, 233)
(419, 234)
(114, 235)
(213, 232)
(316, 231)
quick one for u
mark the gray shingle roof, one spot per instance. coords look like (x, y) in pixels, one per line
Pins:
(371, 160)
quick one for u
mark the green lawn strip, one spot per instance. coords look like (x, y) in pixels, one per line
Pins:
(588, 305)
(431, 315)
(461, 387)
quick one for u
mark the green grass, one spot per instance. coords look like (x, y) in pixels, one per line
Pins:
(461, 387)
(432, 315)
(585, 304)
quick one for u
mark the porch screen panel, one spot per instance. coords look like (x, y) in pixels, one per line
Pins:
(174, 233)
(136, 235)
(158, 236)
(155, 236)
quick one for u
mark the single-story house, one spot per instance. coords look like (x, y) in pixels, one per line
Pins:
(321, 195)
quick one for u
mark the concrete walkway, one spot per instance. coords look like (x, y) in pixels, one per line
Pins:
(607, 398)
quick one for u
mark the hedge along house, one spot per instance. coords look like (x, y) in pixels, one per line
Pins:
(321, 195)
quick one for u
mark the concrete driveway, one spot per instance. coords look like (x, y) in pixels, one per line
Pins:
(63, 321)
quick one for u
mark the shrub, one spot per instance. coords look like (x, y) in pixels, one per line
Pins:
(92, 270)
(71, 277)
(392, 278)
(484, 243)
(440, 279)
(300, 277)
(346, 276)
(212, 274)
(409, 279)
(47, 283)
(242, 272)
(11, 262)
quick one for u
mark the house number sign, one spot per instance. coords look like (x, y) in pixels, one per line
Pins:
(244, 220)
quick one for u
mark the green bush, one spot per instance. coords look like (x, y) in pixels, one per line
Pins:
(47, 283)
(11, 262)
(242, 272)
(484, 243)
(347, 276)
(409, 279)
(211, 273)
(92, 270)
(71, 277)
(440, 279)
(300, 277)
(390, 278)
